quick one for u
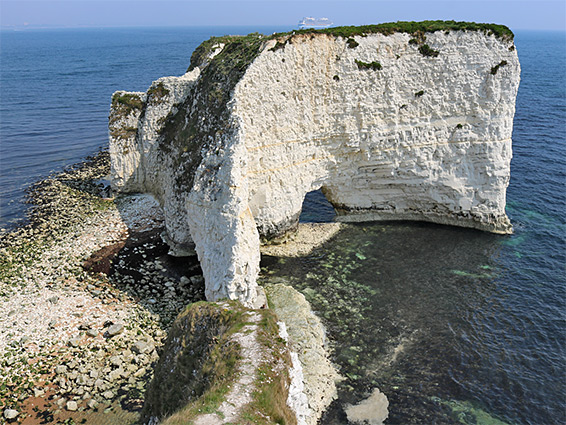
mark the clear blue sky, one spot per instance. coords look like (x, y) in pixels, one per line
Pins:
(517, 14)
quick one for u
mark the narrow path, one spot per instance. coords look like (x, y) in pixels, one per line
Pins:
(240, 395)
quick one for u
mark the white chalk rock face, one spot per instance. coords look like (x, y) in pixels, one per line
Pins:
(388, 127)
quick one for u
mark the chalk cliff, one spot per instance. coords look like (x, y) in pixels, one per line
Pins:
(405, 121)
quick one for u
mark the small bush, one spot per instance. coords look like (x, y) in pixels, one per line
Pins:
(336, 78)
(419, 93)
(413, 41)
(130, 100)
(512, 48)
(496, 67)
(376, 66)
(352, 44)
(278, 45)
(459, 126)
(426, 50)
(158, 92)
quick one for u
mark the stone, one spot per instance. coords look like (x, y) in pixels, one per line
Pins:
(93, 374)
(140, 372)
(93, 333)
(72, 405)
(81, 380)
(115, 361)
(75, 341)
(115, 329)
(372, 411)
(38, 392)
(382, 144)
(142, 347)
(60, 369)
(10, 413)
(92, 404)
(115, 374)
(108, 395)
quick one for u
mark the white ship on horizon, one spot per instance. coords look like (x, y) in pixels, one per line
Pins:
(310, 22)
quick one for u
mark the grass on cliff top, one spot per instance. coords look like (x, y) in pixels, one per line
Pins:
(269, 399)
(409, 27)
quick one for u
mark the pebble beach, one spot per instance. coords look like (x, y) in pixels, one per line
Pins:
(87, 293)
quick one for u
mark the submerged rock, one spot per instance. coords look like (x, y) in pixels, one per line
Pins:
(372, 411)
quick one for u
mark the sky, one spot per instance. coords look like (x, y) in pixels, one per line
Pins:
(516, 14)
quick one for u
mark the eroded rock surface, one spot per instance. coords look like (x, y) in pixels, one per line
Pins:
(396, 125)
(307, 338)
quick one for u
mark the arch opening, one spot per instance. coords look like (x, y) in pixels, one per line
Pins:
(317, 209)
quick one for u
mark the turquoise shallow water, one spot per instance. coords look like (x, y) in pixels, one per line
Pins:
(454, 325)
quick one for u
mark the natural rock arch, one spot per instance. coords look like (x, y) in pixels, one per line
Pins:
(387, 131)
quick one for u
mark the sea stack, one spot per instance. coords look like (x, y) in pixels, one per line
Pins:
(402, 121)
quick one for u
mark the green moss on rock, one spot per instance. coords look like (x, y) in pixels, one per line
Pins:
(376, 66)
(198, 359)
(496, 67)
(203, 121)
(157, 92)
(129, 100)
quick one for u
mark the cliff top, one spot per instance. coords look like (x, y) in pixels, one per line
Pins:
(409, 27)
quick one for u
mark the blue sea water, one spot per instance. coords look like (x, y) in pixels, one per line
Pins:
(453, 325)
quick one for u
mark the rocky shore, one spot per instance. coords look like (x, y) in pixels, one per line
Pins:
(87, 294)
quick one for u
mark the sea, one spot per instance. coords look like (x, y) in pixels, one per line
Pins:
(454, 326)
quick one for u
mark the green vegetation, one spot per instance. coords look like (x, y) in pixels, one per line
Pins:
(184, 132)
(351, 43)
(376, 66)
(269, 404)
(496, 67)
(123, 104)
(419, 93)
(198, 363)
(130, 100)
(426, 50)
(199, 366)
(500, 31)
(123, 133)
(459, 126)
(206, 47)
(156, 93)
